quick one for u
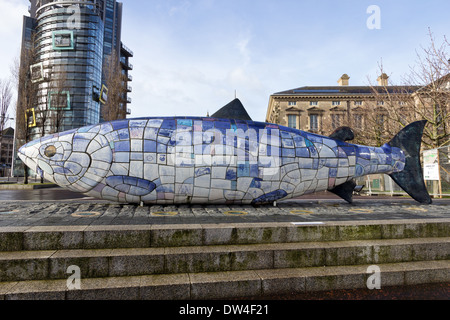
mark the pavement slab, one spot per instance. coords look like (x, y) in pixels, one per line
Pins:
(57, 207)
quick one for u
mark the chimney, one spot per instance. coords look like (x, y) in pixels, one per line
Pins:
(383, 80)
(343, 81)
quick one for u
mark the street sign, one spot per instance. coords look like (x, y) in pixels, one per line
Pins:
(431, 165)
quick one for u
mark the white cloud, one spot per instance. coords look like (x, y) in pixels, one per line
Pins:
(11, 17)
(179, 8)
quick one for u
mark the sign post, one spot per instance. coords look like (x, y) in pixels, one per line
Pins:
(431, 168)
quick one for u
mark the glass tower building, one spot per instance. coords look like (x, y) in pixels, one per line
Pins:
(72, 40)
(70, 55)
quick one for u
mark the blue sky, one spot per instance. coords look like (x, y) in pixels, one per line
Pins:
(191, 55)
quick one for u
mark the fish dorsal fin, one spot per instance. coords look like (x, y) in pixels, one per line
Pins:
(343, 134)
(234, 110)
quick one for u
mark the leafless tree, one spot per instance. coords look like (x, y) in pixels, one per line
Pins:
(116, 89)
(58, 93)
(26, 94)
(423, 94)
(5, 103)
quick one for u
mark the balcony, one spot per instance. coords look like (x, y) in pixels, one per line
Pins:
(128, 100)
(128, 111)
(126, 64)
(129, 77)
(129, 89)
(127, 51)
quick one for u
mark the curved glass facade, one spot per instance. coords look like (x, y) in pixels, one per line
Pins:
(71, 56)
(69, 41)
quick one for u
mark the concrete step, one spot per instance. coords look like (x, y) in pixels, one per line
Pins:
(231, 284)
(154, 236)
(94, 263)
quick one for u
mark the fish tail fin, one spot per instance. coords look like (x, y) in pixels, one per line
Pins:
(411, 178)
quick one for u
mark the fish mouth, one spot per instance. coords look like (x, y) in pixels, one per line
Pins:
(24, 155)
(27, 157)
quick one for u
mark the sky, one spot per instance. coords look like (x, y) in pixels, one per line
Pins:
(191, 57)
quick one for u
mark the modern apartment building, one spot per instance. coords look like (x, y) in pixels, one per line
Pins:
(70, 42)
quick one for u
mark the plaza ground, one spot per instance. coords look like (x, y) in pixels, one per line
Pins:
(59, 207)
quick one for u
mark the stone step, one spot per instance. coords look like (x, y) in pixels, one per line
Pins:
(231, 284)
(148, 236)
(94, 263)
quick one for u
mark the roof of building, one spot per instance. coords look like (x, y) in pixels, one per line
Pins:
(347, 90)
(233, 110)
(8, 132)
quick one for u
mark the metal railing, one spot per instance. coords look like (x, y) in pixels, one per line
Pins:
(128, 50)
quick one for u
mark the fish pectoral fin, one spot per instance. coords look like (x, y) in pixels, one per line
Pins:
(343, 134)
(345, 191)
(131, 185)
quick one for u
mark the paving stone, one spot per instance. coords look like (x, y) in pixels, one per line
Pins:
(259, 233)
(333, 278)
(180, 235)
(160, 287)
(92, 263)
(197, 259)
(216, 234)
(38, 290)
(424, 272)
(123, 262)
(117, 288)
(24, 265)
(11, 238)
(284, 281)
(222, 285)
(6, 287)
(117, 236)
(49, 238)
(253, 257)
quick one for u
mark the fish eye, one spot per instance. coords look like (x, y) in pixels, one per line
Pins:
(50, 151)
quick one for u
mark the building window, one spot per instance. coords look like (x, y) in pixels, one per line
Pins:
(314, 122)
(37, 72)
(358, 121)
(380, 120)
(380, 103)
(403, 118)
(63, 40)
(59, 100)
(313, 103)
(292, 121)
(336, 121)
(358, 103)
(292, 103)
(30, 118)
(104, 95)
(336, 103)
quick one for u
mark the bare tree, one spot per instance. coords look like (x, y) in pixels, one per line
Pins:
(59, 99)
(26, 95)
(116, 89)
(5, 103)
(424, 94)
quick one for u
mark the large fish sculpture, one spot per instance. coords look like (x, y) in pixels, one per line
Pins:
(194, 160)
